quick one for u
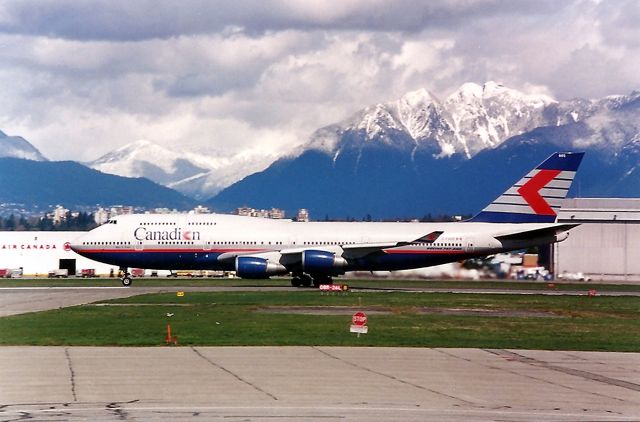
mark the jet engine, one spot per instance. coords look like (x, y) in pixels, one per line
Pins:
(322, 262)
(254, 267)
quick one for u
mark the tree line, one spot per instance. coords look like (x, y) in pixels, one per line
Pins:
(81, 222)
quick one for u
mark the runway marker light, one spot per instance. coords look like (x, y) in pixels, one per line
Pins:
(593, 293)
(180, 294)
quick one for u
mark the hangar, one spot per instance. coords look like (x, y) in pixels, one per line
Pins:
(606, 245)
(37, 253)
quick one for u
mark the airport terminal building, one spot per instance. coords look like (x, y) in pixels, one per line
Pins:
(38, 253)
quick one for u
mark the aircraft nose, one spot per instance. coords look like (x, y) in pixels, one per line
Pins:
(76, 244)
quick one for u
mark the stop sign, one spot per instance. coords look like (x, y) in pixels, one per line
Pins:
(359, 319)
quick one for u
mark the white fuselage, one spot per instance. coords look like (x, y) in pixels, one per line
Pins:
(214, 241)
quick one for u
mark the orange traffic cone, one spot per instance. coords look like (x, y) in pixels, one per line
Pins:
(168, 339)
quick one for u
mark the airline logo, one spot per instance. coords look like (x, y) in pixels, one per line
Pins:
(538, 195)
(27, 246)
(540, 192)
(530, 191)
(142, 233)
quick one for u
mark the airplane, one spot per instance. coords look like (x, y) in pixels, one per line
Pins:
(315, 252)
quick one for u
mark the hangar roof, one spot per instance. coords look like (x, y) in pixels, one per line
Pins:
(601, 210)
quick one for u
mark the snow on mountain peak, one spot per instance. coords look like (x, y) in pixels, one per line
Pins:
(377, 120)
(471, 119)
(417, 98)
(469, 90)
(18, 147)
(144, 158)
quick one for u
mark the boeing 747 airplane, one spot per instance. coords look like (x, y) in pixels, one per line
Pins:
(314, 252)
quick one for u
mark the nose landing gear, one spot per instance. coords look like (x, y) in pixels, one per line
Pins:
(126, 277)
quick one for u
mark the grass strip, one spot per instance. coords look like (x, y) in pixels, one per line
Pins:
(353, 283)
(237, 319)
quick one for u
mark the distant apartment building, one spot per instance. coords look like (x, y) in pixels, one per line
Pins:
(121, 210)
(59, 214)
(100, 216)
(303, 215)
(252, 212)
(200, 210)
(276, 213)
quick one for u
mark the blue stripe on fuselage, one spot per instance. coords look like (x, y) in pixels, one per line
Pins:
(162, 260)
(207, 260)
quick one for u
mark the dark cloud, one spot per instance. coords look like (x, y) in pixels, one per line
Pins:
(239, 74)
(146, 19)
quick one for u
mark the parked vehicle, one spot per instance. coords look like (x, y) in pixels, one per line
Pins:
(579, 276)
(86, 273)
(59, 273)
(137, 272)
(11, 272)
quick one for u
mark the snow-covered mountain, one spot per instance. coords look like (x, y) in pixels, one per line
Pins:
(225, 172)
(195, 175)
(391, 160)
(147, 159)
(18, 147)
(472, 119)
(468, 121)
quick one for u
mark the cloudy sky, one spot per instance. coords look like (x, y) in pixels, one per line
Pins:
(80, 78)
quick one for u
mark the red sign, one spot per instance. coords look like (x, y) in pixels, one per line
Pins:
(359, 319)
(67, 246)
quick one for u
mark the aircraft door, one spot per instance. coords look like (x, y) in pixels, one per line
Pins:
(469, 243)
(138, 245)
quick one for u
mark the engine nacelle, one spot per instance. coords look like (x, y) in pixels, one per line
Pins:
(254, 267)
(322, 262)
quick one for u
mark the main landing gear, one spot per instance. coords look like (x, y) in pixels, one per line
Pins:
(306, 280)
(126, 277)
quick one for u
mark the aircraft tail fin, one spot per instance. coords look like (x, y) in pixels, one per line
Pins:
(536, 197)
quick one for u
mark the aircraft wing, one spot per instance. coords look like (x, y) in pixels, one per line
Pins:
(231, 256)
(353, 251)
(540, 232)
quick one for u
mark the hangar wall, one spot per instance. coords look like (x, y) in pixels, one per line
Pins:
(606, 246)
(40, 252)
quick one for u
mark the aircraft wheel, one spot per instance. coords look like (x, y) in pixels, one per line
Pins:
(296, 282)
(306, 280)
(126, 281)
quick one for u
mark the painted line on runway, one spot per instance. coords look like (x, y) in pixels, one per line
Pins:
(63, 288)
(585, 415)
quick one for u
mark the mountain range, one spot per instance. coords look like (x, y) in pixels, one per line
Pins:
(420, 155)
(195, 175)
(405, 158)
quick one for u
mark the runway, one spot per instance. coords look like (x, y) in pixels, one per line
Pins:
(302, 383)
(316, 383)
(19, 300)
